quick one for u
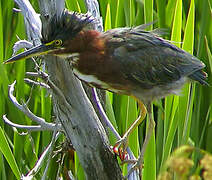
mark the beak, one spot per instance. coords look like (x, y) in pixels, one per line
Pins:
(36, 51)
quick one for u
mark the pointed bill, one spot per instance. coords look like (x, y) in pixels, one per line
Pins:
(36, 51)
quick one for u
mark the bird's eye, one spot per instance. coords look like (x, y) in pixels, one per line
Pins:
(58, 42)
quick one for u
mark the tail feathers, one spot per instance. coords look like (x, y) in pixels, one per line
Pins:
(200, 76)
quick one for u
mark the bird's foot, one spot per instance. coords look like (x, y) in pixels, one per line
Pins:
(120, 148)
(138, 165)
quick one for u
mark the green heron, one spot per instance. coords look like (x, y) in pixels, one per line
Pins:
(127, 61)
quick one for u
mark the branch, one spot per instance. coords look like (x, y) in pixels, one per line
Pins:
(41, 84)
(135, 174)
(93, 8)
(29, 128)
(41, 161)
(32, 21)
(80, 122)
(21, 44)
(43, 124)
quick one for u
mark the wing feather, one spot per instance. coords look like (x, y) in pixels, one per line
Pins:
(149, 60)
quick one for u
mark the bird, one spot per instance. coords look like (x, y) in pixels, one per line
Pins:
(127, 60)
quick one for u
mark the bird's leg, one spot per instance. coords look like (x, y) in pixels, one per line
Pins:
(151, 126)
(121, 145)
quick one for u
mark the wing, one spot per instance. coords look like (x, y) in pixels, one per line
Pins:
(149, 60)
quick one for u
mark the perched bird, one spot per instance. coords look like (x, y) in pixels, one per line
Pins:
(128, 61)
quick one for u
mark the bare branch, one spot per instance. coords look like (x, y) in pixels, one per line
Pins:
(33, 74)
(135, 174)
(55, 89)
(41, 161)
(50, 152)
(16, 10)
(21, 44)
(93, 8)
(25, 110)
(29, 128)
(32, 21)
(103, 114)
(49, 84)
(80, 122)
(41, 84)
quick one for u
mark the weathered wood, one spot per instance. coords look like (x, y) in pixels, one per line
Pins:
(79, 120)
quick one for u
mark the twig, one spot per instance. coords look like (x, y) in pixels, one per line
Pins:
(103, 114)
(25, 110)
(55, 89)
(33, 74)
(93, 8)
(41, 160)
(50, 151)
(32, 21)
(135, 174)
(29, 81)
(29, 128)
(21, 44)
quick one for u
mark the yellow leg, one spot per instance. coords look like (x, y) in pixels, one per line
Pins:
(124, 140)
(151, 126)
(138, 120)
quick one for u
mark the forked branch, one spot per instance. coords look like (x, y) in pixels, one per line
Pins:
(43, 125)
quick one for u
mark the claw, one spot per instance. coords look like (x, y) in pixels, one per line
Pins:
(122, 154)
(137, 166)
(120, 148)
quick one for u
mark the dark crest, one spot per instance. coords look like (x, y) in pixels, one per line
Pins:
(66, 26)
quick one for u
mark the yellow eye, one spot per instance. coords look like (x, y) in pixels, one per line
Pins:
(58, 42)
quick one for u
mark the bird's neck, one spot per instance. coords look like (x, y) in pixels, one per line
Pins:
(87, 41)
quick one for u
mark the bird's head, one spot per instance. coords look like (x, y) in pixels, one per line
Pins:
(62, 30)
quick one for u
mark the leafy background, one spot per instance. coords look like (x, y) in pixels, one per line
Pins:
(184, 119)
